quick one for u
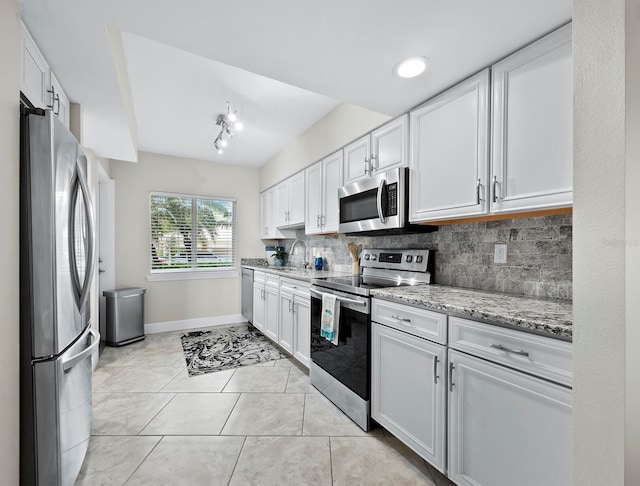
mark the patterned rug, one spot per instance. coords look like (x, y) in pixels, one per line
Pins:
(230, 347)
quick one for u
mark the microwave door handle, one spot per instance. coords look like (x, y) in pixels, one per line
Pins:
(379, 200)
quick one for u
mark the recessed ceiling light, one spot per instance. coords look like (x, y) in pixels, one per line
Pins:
(411, 67)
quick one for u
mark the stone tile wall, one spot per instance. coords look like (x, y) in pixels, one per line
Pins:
(539, 252)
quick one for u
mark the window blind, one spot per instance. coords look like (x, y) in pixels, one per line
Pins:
(191, 233)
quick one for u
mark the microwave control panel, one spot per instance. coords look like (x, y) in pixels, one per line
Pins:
(392, 200)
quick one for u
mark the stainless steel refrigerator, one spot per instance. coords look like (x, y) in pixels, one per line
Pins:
(57, 259)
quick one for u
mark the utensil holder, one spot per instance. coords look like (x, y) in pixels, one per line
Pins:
(356, 268)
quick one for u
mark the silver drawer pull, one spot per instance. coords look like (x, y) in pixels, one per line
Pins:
(520, 352)
(403, 319)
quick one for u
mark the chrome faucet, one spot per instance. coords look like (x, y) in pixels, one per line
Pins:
(305, 263)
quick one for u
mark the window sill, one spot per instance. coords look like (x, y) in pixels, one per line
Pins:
(164, 276)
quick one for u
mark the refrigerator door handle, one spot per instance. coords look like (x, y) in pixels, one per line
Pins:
(82, 288)
(69, 363)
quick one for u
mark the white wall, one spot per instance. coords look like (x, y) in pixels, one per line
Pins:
(602, 248)
(9, 236)
(632, 249)
(183, 299)
(339, 127)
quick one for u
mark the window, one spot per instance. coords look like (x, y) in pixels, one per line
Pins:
(191, 233)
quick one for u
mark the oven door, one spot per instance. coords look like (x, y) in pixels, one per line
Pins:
(349, 361)
(376, 203)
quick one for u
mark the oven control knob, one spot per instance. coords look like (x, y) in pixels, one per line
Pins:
(374, 257)
(366, 257)
(409, 258)
(419, 259)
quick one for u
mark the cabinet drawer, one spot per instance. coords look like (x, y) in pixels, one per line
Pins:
(273, 280)
(293, 286)
(538, 355)
(259, 277)
(414, 320)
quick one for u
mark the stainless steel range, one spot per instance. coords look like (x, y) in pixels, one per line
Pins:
(342, 371)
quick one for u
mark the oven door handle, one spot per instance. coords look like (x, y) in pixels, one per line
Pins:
(379, 200)
(341, 299)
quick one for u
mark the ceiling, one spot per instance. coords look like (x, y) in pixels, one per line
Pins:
(154, 74)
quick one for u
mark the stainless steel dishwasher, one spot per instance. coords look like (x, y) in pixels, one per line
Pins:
(247, 294)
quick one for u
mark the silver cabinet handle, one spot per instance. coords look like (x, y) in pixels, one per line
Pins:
(478, 191)
(435, 369)
(53, 97)
(372, 166)
(322, 223)
(403, 319)
(318, 221)
(519, 352)
(451, 368)
(495, 188)
(379, 200)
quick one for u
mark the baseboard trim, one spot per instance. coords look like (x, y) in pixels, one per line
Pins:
(168, 326)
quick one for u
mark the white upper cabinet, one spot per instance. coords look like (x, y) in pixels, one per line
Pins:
(382, 149)
(290, 211)
(357, 159)
(264, 215)
(449, 153)
(37, 81)
(533, 126)
(390, 145)
(323, 179)
(61, 104)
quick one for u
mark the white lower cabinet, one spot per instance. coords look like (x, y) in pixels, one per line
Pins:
(408, 391)
(295, 319)
(258, 305)
(271, 314)
(506, 427)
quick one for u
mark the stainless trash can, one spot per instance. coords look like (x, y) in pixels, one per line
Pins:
(125, 315)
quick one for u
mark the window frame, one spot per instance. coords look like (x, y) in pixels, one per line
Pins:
(190, 273)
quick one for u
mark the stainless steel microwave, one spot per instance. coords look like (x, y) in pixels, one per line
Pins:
(376, 203)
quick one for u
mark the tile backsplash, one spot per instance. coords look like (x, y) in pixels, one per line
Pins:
(539, 252)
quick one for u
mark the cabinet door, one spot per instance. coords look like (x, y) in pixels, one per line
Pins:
(357, 159)
(332, 180)
(281, 211)
(390, 145)
(533, 126)
(35, 81)
(296, 199)
(258, 306)
(264, 215)
(449, 153)
(271, 320)
(286, 333)
(408, 391)
(61, 104)
(272, 196)
(495, 412)
(313, 191)
(302, 330)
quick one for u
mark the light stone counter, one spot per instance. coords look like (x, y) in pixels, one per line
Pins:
(296, 273)
(551, 317)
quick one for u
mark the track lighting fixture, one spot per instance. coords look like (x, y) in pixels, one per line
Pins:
(228, 123)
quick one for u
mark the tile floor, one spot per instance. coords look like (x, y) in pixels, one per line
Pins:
(262, 424)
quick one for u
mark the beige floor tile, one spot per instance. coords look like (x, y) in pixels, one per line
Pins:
(97, 397)
(266, 414)
(298, 382)
(111, 460)
(283, 461)
(264, 364)
(132, 378)
(127, 413)
(323, 418)
(258, 379)
(152, 356)
(285, 362)
(189, 461)
(193, 414)
(376, 461)
(208, 382)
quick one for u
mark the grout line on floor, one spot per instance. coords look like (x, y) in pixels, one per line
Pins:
(237, 460)
(145, 458)
(158, 413)
(227, 419)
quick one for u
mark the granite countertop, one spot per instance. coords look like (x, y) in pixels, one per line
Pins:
(305, 275)
(547, 316)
